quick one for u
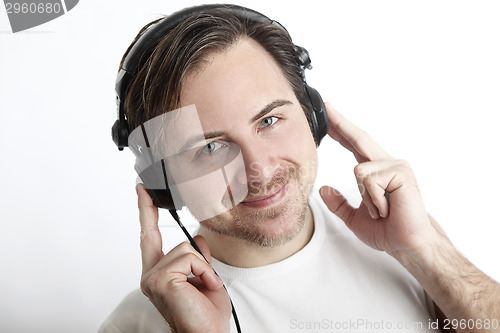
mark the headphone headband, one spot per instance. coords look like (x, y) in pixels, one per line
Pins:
(160, 28)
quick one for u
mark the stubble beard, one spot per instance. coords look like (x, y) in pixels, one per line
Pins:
(266, 227)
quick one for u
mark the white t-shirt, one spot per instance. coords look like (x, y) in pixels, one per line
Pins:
(334, 284)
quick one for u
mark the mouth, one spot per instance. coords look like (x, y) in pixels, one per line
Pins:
(267, 200)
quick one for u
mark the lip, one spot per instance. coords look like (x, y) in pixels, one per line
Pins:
(267, 200)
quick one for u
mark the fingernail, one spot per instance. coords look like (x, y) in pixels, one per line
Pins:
(373, 213)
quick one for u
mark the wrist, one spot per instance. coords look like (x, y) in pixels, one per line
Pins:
(422, 258)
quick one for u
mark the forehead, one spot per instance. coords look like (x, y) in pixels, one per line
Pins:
(235, 83)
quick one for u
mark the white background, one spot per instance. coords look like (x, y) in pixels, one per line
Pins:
(422, 77)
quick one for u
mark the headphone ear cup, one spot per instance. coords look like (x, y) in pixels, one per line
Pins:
(162, 198)
(319, 116)
(120, 134)
(156, 184)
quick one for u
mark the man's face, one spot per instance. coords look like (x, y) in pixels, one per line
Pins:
(242, 98)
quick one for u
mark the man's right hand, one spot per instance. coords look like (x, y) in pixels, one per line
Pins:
(189, 304)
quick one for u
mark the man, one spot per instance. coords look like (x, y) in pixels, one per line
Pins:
(285, 261)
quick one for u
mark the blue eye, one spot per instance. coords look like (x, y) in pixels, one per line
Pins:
(211, 147)
(268, 121)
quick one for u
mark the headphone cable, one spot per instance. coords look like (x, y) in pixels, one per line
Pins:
(173, 212)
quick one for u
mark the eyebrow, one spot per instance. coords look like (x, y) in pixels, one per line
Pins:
(270, 107)
(211, 135)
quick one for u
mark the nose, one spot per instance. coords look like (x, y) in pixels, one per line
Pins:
(260, 160)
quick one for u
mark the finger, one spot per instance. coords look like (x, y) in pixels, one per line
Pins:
(353, 138)
(370, 188)
(344, 143)
(337, 203)
(175, 275)
(379, 206)
(380, 178)
(368, 202)
(175, 266)
(203, 246)
(193, 263)
(151, 242)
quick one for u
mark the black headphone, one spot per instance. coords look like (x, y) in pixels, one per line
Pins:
(135, 60)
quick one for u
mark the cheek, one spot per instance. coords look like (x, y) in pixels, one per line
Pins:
(306, 150)
(299, 141)
(205, 196)
(298, 147)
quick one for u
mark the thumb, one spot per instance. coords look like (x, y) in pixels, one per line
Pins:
(336, 203)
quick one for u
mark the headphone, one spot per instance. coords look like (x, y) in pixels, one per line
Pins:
(136, 58)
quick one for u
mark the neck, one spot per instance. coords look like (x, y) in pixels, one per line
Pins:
(242, 253)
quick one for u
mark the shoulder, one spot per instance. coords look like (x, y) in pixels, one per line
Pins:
(135, 314)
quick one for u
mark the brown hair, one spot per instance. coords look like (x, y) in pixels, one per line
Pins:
(157, 86)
